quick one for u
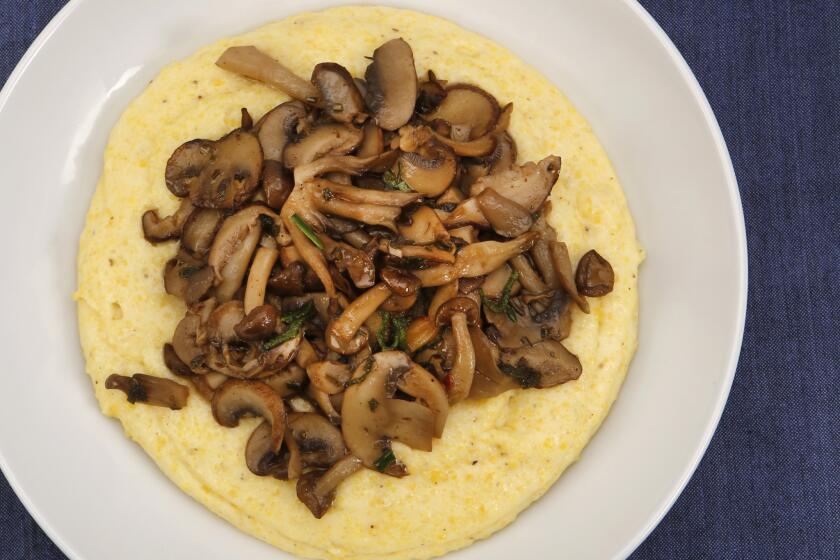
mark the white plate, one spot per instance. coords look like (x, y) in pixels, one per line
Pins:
(96, 493)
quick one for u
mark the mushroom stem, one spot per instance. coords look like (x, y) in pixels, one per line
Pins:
(258, 277)
(252, 63)
(463, 368)
(483, 258)
(342, 330)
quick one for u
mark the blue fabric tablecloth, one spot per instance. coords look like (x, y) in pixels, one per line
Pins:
(769, 486)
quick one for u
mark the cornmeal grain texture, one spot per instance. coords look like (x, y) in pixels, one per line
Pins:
(498, 455)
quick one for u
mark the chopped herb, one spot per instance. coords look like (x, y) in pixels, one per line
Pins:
(268, 225)
(447, 206)
(197, 362)
(307, 231)
(395, 180)
(294, 321)
(525, 376)
(357, 380)
(385, 460)
(372, 404)
(503, 304)
(328, 194)
(384, 331)
(188, 271)
(393, 328)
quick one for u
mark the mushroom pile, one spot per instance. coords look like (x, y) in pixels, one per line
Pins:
(357, 261)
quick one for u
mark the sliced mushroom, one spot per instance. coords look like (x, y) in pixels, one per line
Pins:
(324, 403)
(329, 376)
(236, 398)
(468, 106)
(488, 380)
(483, 145)
(233, 247)
(430, 94)
(465, 213)
(563, 268)
(391, 84)
(425, 387)
(373, 142)
(422, 226)
(595, 276)
(319, 442)
(279, 127)
(527, 185)
(545, 364)
(298, 208)
(327, 139)
(259, 323)
(156, 230)
(495, 282)
(187, 340)
(252, 63)
(216, 174)
(464, 234)
(199, 231)
(528, 277)
(349, 165)
(178, 273)
(343, 332)
(261, 459)
(365, 418)
(541, 317)
(399, 304)
(316, 489)
(484, 257)
(429, 170)
(411, 423)
(264, 260)
(506, 217)
(357, 263)
(541, 252)
(432, 253)
(277, 184)
(340, 97)
(148, 389)
(379, 208)
(288, 381)
(460, 312)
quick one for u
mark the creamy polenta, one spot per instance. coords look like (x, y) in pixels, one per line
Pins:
(497, 455)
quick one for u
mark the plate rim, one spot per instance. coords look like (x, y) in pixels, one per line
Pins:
(736, 215)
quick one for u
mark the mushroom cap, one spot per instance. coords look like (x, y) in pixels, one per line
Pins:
(316, 489)
(327, 139)
(258, 324)
(157, 229)
(320, 443)
(460, 304)
(506, 217)
(148, 389)
(237, 397)
(428, 170)
(594, 276)
(340, 97)
(391, 84)
(470, 106)
(278, 128)
(544, 364)
(400, 282)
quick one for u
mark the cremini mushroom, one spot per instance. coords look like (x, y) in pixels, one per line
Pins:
(391, 84)
(216, 174)
(287, 382)
(199, 231)
(148, 389)
(483, 145)
(468, 106)
(259, 323)
(544, 364)
(156, 230)
(252, 63)
(280, 127)
(179, 272)
(343, 333)
(320, 443)
(316, 489)
(260, 457)
(428, 170)
(594, 276)
(277, 184)
(460, 313)
(327, 139)
(340, 97)
(236, 398)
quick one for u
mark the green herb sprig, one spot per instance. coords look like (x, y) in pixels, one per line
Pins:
(307, 231)
(294, 321)
(385, 460)
(395, 180)
(392, 332)
(502, 304)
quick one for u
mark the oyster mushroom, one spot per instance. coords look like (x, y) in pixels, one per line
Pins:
(527, 185)
(316, 489)
(470, 107)
(357, 263)
(379, 208)
(391, 84)
(344, 332)
(236, 398)
(544, 364)
(373, 141)
(327, 139)
(156, 230)
(298, 214)
(425, 387)
(563, 268)
(528, 277)
(216, 174)
(422, 226)
(340, 97)
(484, 257)
(428, 170)
(489, 380)
(506, 217)
(594, 276)
(460, 313)
(350, 165)
(148, 389)
(483, 145)
(252, 63)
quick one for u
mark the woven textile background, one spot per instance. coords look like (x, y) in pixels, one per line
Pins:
(769, 486)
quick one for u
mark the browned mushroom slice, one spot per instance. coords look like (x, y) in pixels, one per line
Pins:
(373, 142)
(343, 332)
(199, 286)
(425, 387)
(399, 304)
(469, 106)
(563, 267)
(400, 282)
(467, 212)
(483, 145)
(595, 276)
(506, 217)
(527, 185)
(237, 397)
(327, 139)
(541, 317)
(541, 252)
(200, 229)
(460, 312)
(545, 364)
(261, 266)
(421, 225)
(258, 324)
(340, 97)
(503, 156)
(484, 257)
(319, 442)
(430, 94)
(279, 127)
(358, 264)
(433, 253)
(148, 389)
(391, 84)
(411, 423)
(429, 170)
(494, 283)
(277, 184)
(252, 63)
(420, 332)
(216, 174)
(380, 208)
(288, 381)
(329, 376)
(324, 403)
(349, 165)
(156, 230)
(488, 380)
(188, 339)
(259, 457)
(316, 489)
(528, 277)
(233, 247)
(365, 418)
(366, 196)
(178, 273)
